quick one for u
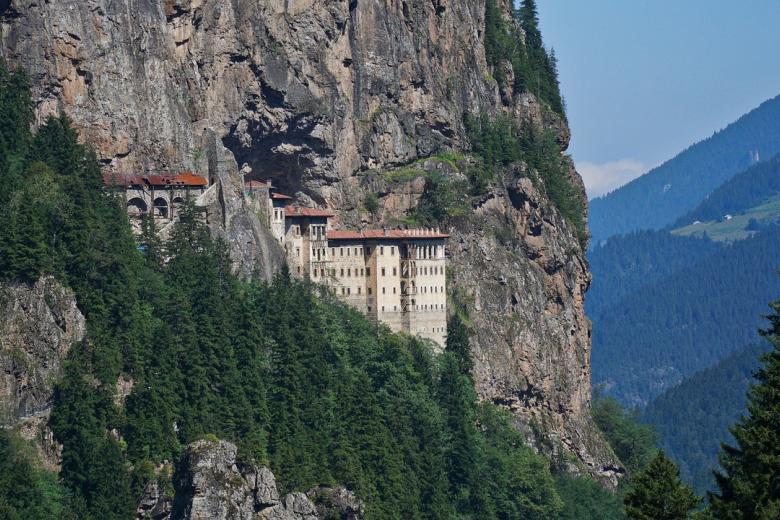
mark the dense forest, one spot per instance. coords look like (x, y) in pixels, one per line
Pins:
(693, 417)
(653, 337)
(671, 190)
(628, 262)
(749, 188)
(296, 379)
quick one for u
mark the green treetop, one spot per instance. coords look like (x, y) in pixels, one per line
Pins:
(749, 486)
(659, 494)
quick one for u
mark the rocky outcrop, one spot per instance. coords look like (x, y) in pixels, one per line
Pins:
(214, 485)
(316, 96)
(38, 325)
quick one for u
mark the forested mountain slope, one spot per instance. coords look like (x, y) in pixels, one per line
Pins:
(626, 263)
(745, 190)
(691, 319)
(693, 417)
(669, 191)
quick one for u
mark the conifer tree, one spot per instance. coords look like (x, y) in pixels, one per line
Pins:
(749, 486)
(529, 21)
(458, 344)
(659, 494)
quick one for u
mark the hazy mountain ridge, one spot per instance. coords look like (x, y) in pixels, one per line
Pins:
(667, 192)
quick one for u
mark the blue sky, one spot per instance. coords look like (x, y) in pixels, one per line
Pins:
(643, 79)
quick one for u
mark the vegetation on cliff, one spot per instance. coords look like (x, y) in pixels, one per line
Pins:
(535, 70)
(498, 143)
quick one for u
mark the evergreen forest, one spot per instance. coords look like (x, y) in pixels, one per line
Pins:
(649, 339)
(693, 417)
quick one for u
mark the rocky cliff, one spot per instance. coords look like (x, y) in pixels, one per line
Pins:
(38, 325)
(212, 484)
(316, 95)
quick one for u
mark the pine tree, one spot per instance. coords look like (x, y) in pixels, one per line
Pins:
(458, 344)
(529, 21)
(659, 494)
(749, 486)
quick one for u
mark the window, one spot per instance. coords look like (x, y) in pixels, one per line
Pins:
(382, 250)
(299, 269)
(298, 251)
(393, 290)
(392, 251)
(356, 251)
(383, 290)
(332, 251)
(369, 290)
(341, 251)
(395, 271)
(395, 307)
(347, 251)
(368, 271)
(342, 291)
(349, 272)
(383, 271)
(369, 308)
(348, 291)
(383, 308)
(342, 272)
(361, 271)
(358, 290)
(368, 250)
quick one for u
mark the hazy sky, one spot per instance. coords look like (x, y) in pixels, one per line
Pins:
(643, 79)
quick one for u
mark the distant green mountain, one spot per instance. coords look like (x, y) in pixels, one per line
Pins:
(651, 338)
(626, 263)
(673, 189)
(747, 189)
(694, 417)
(746, 203)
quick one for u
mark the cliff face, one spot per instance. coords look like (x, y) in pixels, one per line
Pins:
(213, 484)
(313, 95)
(38, 325)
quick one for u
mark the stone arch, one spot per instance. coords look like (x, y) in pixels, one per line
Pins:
(160, 207)
(176, 204)
(136, 207)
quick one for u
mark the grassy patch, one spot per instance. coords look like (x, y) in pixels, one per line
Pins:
(739, 226)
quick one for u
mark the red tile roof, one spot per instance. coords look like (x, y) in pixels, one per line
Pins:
(297, 211)
(255, 184)
(189, 179)
(419, 234)
(163, 179)
(280, 196)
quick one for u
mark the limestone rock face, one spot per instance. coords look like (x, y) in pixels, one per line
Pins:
(315, 95)
(215, 486)
(38, 325)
